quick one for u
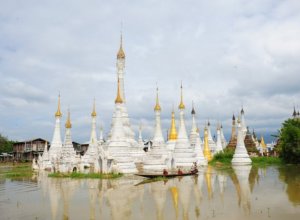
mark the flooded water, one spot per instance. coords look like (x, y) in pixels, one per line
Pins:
(242, 193)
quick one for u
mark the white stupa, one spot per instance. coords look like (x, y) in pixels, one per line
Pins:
(211, 142)
(184, 154)
(241, 156)
(243, 123)
(223, 139)
(219, 147)
(44, 161)
(158, 158)
(119, 148)
(90, 158)
(68, 160)
(56, 144)
(196, 141)
(129, 134)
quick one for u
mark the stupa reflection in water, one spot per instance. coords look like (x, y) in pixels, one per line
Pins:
(190, 197)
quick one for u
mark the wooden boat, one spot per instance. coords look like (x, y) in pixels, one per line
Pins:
(169, 175)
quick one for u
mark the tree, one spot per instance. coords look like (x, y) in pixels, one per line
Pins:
(5, 144)
(289, 141)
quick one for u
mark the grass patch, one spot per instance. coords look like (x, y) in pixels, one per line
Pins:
(86, 175)
(266, 161)
(17, 171)
(222, 160)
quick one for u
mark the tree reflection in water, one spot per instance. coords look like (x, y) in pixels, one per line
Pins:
(291, 176)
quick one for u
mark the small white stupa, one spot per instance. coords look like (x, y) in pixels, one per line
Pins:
(68, 160)
(196, 141)
(223, 139)
(241, 156)
(219, 147)
(243, 123)
(159, 157)
(211, 142)
(184, 155)
(90, 157)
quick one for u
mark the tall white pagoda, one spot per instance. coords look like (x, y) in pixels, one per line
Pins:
(56, 144)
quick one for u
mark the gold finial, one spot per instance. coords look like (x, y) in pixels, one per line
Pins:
(181, 105)
(157, 106)
(173, 132)
(68, 122)
(121, 54)
(58, 112)
(118, 99)
(94, 114)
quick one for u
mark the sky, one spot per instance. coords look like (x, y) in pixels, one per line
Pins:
(227, 54)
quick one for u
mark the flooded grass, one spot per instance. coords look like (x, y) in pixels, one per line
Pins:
(86, 175)
(266, 161)
(222, 160)
(10, 170)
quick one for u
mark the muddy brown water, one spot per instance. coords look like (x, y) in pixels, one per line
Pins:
(242, 193)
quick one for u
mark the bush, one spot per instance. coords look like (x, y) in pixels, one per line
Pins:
(223, 157)
(289, 141)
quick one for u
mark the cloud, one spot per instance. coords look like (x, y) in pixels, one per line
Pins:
(227, 54)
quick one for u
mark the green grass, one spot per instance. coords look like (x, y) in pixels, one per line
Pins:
(86, 175)
(266, 161)
(17, 170)
(223, 160)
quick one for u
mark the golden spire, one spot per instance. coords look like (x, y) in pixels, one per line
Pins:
(121, 54)
(181, 105)
(262, 142)
(206, 152)
(118, 99)
(157, 106)
(58, 112)
(173, 132)
(68, 122)
(94, 114)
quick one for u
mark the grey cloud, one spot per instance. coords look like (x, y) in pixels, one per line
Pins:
(227, 53)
